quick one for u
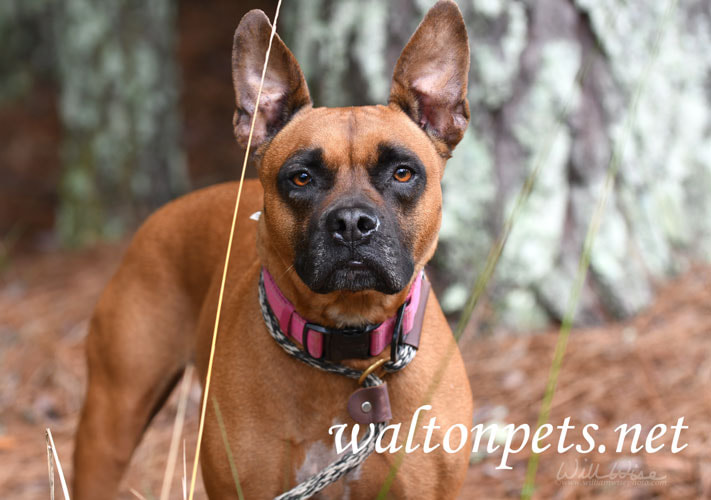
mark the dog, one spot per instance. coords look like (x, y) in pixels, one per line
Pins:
(350, 202)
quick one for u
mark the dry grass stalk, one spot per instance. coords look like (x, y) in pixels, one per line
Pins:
(53, 458)
(185, 474)
(135, 493)
(177, 432)
(206, 389)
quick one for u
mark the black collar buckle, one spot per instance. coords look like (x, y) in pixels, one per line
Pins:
(341, 343)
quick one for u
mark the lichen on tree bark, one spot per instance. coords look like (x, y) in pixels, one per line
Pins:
(119, 89)
(564, 74)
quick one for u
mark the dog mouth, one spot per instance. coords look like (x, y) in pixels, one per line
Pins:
(355, 275)
(385, 271)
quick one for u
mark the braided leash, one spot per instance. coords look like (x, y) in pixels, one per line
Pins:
(366, 446)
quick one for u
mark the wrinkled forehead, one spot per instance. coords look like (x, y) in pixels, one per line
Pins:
(350, 136)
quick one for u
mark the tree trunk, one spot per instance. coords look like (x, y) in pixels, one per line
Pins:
(118, 105)
(552, 81)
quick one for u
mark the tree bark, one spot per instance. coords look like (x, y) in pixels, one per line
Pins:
(553, 82)
(119, 107)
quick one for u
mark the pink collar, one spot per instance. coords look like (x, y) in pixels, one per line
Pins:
(295, 326)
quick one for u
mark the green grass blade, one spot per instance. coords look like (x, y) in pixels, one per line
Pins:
(228, 449)
(584, 262)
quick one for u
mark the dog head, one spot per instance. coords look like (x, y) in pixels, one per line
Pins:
(352, 196)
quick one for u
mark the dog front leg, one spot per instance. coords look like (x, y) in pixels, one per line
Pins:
(136, 355)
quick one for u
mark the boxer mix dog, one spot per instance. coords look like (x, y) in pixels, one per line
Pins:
(351, 204)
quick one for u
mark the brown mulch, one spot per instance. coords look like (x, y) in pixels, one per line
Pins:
(45, 304)
(650, 370)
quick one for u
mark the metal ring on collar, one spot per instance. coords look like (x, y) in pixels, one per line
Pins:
(371, 369)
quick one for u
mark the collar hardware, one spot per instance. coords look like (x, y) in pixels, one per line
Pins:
(341, 343)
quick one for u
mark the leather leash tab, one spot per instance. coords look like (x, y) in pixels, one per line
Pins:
(370, 405)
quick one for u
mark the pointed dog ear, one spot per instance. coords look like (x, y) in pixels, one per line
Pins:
(284, 91)
(430, 77)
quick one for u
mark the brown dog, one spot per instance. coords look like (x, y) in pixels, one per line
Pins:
(351, 208)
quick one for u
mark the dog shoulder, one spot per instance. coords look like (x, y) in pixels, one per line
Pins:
(189, 235)
(204, 214)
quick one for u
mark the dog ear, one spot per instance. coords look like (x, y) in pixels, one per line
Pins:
(284, 91)
(430, 77)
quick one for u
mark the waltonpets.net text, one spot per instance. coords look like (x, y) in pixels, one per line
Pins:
(455, 438)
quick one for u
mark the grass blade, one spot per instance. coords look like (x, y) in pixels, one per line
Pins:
(177, 432)
(584, 262)
(135, 493)
(53, 458)
(228, 449)
(213, 344)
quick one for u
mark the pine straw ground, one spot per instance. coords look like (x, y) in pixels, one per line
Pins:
(652, 369)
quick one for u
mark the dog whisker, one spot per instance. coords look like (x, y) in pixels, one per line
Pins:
(287, 271)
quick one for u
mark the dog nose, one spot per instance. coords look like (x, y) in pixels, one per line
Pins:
(352, 225)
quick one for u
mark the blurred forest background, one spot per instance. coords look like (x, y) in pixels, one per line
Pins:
(108, 109)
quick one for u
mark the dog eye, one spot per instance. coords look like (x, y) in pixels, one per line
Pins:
(301, 179)
(402, 174)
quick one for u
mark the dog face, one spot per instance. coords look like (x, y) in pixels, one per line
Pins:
(352, 195)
